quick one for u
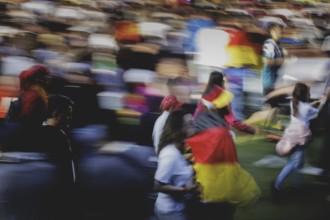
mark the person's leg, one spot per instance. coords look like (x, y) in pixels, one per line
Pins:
(287, 169)
(298, 161)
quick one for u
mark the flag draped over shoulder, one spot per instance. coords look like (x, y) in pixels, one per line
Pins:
(220, 99)
(218, 96)
(216, 163)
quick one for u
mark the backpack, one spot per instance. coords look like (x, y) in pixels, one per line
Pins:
(14, 111)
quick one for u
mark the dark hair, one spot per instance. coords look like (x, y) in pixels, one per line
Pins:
(58, 103)
(216, 78)
(173, 132)
(300, 93)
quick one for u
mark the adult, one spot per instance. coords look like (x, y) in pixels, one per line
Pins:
(168, 104)
(216, 95)
(272, 57)
(33, 99)
(213, 152)
(27, 186)
(225, 185)
(325, 150)
(55, 138)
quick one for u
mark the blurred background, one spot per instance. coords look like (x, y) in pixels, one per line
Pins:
(122, 57)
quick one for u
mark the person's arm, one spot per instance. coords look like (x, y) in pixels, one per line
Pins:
(322, 101)
(319, 103)
(167, 165)
(281, 91)
(169, 189)
(273, 61)
(176, 191)
(314, 103)
(238, 124)
(164, 173)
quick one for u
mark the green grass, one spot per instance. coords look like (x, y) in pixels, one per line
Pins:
(307, 204)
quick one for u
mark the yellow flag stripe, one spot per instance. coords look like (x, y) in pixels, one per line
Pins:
(225, 182)
(223, 99)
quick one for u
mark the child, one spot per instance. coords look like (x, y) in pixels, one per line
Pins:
(301, 114)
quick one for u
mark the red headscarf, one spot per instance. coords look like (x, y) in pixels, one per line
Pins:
(32, 85)
(170, 102)
(33, 75)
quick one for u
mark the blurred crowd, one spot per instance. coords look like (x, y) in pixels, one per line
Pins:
(111, 49)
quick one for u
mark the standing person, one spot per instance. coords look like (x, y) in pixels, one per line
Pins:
(301, 114)
(33, 99)
(55, 128)
(54, 136)
(325, 151)
(215, 94)
(225, 185)
(272, 57)
(174, 175)
(168, 104)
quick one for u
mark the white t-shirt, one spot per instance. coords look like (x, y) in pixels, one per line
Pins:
(306, 112)
(158, 128)
(172, 169)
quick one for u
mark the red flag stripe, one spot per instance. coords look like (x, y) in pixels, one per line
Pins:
(215, 145)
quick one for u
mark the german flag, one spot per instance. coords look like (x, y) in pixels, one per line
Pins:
(221, 177)
(215, 96)
(241, 51)
(218, 96)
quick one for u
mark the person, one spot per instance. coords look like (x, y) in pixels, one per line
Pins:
(54, 135)
(174, 175)
(215, 94)
(168, 104)
(27, 185)
(301, 114)
(325, 150)
(225, 185)
(36, 168)
(272, 57)
(31, 106)
(120, 180)
(213, 151)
